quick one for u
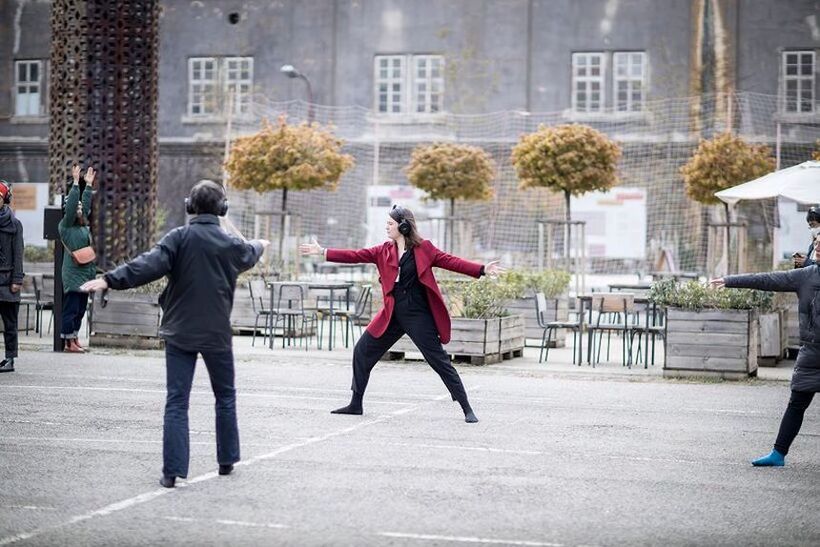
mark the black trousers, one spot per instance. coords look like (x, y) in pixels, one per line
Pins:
(792, 420)
(9, 311)
(414, 318)
(74, 305)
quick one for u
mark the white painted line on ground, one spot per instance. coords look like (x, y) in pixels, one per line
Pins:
(227, 522)
(468, 539)
(201, 393)
(49, 440)
(30, 507)
(149, 496)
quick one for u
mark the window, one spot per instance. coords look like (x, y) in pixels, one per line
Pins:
(588, 82)
(27, 85)
(419, 90)
(238, 82)
(628, 81)
(428, 83)
(798, 81)
(214, 83)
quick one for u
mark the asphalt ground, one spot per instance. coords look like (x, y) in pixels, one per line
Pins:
(557, 458)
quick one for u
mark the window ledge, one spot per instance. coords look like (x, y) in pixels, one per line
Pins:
(213, 119)
(606, 116)
(410, 119)
(28, 120)
(797, 117)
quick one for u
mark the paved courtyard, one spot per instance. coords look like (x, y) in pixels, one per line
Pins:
(561, 456)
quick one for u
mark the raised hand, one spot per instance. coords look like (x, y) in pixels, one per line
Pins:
(717, 283)
(494, 268)
(90, 174)
(265, 243)
(75, 173)
(312, 248)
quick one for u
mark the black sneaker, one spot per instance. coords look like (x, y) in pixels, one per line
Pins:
(226, 469)
(7, 365)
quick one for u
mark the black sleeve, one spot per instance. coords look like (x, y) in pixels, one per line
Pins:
(247, 254)
(768, 281)
(17, 273)
(148, 266)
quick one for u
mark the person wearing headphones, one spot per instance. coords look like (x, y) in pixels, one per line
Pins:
(813, 220)
(201, 262)
(11, 275)
(79, 260)
(412, 303)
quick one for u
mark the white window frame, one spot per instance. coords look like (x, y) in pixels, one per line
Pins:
(241, 88)
(428, 81)
(389, 81)
(802, 81)
(33, 105)
(202, 82)
(630, 79)
(588, 80)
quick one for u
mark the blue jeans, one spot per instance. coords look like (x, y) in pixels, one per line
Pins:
(180, 366)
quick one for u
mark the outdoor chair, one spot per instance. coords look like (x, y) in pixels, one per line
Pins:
(652, 327)
(259, 303)
(290, 309)
(353, 317)
(550, 326)
(43, 301)
(614, 314)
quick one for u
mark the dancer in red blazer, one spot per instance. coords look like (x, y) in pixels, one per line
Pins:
(412, 303)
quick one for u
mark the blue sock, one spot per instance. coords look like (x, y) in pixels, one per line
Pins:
(773, 459)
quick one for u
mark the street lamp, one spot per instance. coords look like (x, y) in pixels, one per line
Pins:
(291, 72)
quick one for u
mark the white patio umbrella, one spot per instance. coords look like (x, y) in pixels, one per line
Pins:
(800, 183)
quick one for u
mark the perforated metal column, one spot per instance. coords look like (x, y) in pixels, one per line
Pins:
(103, 111)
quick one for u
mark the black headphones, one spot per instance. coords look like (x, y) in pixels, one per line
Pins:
(7, 194)
(404, 226)
(223, 207)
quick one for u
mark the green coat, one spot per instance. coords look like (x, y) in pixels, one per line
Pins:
(76, 237)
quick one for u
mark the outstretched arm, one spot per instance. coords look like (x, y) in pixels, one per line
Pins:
(788, 281)
(347, 256)
(466, 267)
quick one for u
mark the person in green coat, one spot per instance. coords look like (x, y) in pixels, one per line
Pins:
(75, 234)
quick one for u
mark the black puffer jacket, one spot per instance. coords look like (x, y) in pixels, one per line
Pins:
(806, 283)
(202, 262)
(11, 254)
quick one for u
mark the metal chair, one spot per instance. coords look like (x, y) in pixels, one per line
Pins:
(290, 305)
(550, 326)
(654, 326)
(43, 301)
(618, 307)
(258, 291)
(355, 315)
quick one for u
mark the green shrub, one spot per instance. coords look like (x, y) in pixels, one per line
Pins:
(696, 296)
(480, 299)
(523, 283)
(35, 253)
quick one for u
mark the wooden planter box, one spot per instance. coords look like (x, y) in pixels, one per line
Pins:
(129, 320)
(478, 341)
(717, 343)
(771, 338)
(557, 310)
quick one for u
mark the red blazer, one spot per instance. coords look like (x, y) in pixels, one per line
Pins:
(386, 259)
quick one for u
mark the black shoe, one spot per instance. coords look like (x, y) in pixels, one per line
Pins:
(226, 469)
(7, 365)
(168, 482)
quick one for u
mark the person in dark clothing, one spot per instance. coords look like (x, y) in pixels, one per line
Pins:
(75, 234)
(202, 262)
(11, 275)
(806, 376)
(813, 220)
(412, 304)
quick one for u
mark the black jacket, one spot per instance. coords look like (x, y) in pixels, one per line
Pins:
(806, 283)
(202, 262)
(11, 254)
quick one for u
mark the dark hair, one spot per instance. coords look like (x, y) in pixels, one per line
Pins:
(207, 197)
(813, 214)
(399, 213)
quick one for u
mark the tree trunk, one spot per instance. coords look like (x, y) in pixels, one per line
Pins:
(282, 226)
(568, 231)
(452, 225)
(727, 240)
